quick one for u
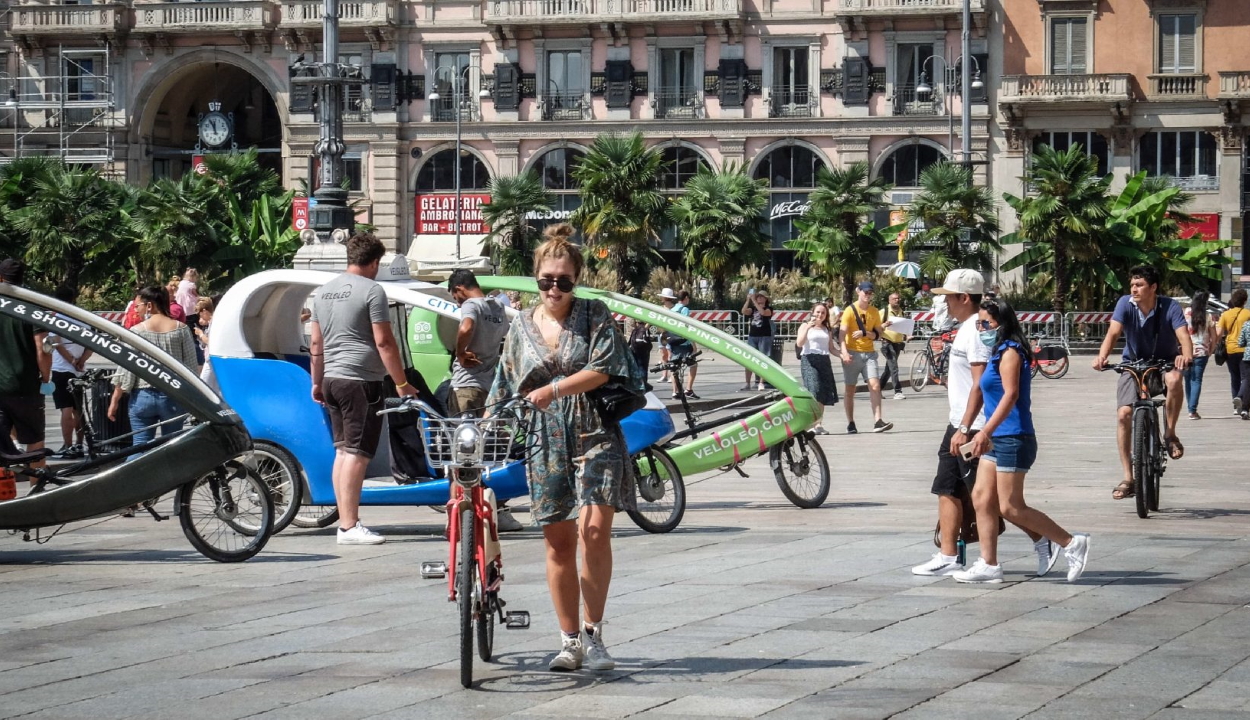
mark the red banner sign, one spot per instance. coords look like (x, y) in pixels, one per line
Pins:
(299, 213)
(1205, 226)
(437, 214)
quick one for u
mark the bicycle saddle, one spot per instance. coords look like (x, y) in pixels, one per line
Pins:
(8, 459)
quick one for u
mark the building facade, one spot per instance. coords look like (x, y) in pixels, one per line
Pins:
(1154, 85)
(783, 87)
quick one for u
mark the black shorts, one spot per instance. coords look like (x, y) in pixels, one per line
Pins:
(62, 394)
(354, 419)
(955, 476)
(22, 414)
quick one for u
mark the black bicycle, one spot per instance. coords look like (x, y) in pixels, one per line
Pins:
(932, 361)
(1148, 449)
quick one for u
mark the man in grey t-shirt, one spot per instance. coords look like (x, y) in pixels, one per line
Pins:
(353, 350)
(483, 325)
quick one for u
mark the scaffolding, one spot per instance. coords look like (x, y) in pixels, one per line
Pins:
(68, 113)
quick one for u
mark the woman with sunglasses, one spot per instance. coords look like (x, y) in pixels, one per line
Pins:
(1007, 446)
(579, 472)
(817, 341)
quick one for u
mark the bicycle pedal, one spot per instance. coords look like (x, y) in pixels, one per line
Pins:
(517, 619)
(433, 570)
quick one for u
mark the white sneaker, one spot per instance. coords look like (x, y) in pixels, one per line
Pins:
(980, 572)
(1077, 553)
(597, 657)
(570, 656)
(1047, 554)
(939, 564)
(359, 535)
(899, 396)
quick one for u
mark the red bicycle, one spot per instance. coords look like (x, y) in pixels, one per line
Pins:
(468, 448)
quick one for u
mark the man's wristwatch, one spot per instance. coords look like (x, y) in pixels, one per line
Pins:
(964, 430)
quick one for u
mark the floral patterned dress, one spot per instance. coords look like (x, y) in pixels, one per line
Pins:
(578, 460)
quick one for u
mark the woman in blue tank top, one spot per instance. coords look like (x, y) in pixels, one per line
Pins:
(1007, 446)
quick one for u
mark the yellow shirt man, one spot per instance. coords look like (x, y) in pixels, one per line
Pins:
(871, 318)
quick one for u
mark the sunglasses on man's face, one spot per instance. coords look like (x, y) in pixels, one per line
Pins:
(563, 283)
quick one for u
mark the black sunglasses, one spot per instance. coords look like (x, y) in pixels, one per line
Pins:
(984, 325)
(562, 283)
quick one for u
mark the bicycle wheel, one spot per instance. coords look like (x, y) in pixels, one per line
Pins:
(280, 471)
(466, 576)
(1143, 459)
(1156, 470)
(1037, 365)
(315, 516)
(920, 371)
(659, 491)
(1055, 369)
(226, 514)
(802, 470)
(486, 628)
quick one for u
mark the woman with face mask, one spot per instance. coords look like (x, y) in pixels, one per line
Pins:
(1007, 446)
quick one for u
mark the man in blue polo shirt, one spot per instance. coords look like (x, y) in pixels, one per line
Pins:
(1153, 329)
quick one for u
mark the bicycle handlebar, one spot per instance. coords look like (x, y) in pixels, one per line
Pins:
(678, 363)
(1164, 365)
(410, 403)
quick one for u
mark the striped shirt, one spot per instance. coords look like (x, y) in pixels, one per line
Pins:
(177, 342)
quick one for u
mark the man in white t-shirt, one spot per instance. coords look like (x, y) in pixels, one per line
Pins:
(953, 482)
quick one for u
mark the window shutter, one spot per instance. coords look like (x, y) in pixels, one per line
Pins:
(732, 83)
(1077, 36)
(301, 96)
(1186, 44)
(855, 90)
(507, 86)
(619, 92)
(1059, 47)
(1167, 43)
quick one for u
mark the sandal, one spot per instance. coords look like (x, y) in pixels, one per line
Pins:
(1123, 490)
(1176, 450)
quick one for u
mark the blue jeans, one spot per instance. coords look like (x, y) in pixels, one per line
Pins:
(1193, 381)
(149, 407)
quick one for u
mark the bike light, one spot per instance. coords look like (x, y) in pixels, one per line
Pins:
(468, 445)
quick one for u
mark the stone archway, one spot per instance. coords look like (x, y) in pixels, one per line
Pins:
(173, 96)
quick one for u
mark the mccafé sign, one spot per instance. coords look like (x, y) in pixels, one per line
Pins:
(789, 208)
(437, 214)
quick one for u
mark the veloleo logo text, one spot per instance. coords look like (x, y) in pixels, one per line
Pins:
(728, 440)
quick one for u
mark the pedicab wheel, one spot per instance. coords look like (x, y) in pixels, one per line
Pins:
(466, 575)
(1142, 461)
(660, 492)
(227, 513)
(315, 516)
(281, 472)
(919, 372)
(802, 470)
(486, 630)
(1055, 369)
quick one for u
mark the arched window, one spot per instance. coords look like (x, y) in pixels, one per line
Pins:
(438, 174)
(680, 164)
(555, 167)
(791, 175)
(903, 167)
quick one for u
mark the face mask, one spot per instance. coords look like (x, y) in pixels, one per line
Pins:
(989, 338)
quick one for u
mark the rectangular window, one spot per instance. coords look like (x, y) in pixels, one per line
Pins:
(911, 66)
(80, 79)
(565, 72)
(1188, 156)
(1178, 43)
(790, 82)
(677, 93)
(1093, 143)
(1069, 43)
(353, 170)
(450, 75)
(354, 93)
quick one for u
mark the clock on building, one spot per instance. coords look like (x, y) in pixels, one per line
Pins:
(215, 127)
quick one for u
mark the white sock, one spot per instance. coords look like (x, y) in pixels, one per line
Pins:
(950, 558)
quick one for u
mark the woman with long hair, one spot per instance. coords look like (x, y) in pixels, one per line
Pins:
(1204, 330)
(1231, 322)
(580, 473)
(1007, 446)
(817, 340)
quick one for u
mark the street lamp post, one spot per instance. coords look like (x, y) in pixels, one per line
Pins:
(971, 81)
(13, 104)
(458, 79)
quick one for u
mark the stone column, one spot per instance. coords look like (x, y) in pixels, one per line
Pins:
(507, 155)
(387, 192)
(852, 150)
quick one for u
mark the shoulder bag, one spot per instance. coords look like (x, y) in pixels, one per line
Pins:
(614, 402)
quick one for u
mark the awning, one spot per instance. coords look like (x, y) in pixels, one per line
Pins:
(434, 256)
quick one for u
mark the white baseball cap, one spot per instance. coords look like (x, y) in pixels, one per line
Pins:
(962, 282)
(668, 294)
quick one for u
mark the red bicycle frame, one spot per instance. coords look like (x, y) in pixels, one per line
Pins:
(476, 499)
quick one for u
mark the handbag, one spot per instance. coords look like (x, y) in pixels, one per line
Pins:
(613, 401)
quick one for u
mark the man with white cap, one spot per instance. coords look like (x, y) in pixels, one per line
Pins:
(963, 290)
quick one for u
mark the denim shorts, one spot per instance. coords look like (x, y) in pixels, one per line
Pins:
(1013, 453)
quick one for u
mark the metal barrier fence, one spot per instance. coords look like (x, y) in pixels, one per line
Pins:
(1084, 331)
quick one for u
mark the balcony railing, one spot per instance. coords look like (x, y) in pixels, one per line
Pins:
(790, 103)
(905, 7)
(1104, 87)
(352, 13)
(909, 102)
(578, 11)
(1235, 84)
(677, 102)
(205, 16)
(1197, 183)
(445, 107)
(67, 19)
(1180, 87)
(569, 105)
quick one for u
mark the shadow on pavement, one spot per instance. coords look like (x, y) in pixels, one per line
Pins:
(39, 556)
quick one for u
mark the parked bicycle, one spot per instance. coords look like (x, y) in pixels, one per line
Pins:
(1149, 456)
(932, 361)
(468, 448)
(1050, 355)
(798, 463)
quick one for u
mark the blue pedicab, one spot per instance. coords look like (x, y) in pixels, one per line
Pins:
(259, 354)
(221, 503)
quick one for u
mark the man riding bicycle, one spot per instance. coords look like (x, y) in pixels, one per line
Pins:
(1153, 329)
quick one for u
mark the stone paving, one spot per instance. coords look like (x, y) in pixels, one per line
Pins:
(752, 608)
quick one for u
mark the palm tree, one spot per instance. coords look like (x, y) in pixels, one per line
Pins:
(1063, 216)
(512, 201)
(171, 220)
(719, 221)
(622, 207)
(834, 237)
(959, 220)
